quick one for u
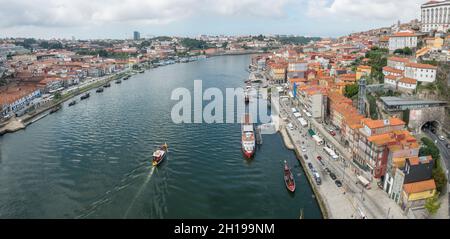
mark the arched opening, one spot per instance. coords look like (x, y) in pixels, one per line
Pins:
(431, 126)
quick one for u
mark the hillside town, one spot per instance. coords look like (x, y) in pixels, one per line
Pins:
(376, 100)
(381, 97)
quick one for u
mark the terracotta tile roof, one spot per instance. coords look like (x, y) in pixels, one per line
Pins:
(404, 34)
(418, 187)
(418, 65)
(392, 70)
(373, 124)
(408, 80)
(399, 59)
(391, 77)
(365, 67)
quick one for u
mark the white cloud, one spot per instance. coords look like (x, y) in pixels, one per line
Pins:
(367, 10)
(62, 13)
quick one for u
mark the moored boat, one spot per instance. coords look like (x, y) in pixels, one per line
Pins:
(118, 81)
(248, 137)
(72, 103)
(160, 154)
(107, 85)
(99, 90)
(85, 96)
(289, 178)
(55, 109)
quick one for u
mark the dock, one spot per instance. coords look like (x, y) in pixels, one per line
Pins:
(259, 139)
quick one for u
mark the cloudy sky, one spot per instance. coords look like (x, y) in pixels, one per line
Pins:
(89, 19)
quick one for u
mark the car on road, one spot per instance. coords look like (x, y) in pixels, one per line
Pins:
(327, 170)
(317, 178)
(441, 137)
(305, 157)
(290, 126)
(333, 176)
(303, 149)
(319, 158)
(338, 183)
(310, 166)
(332, 132)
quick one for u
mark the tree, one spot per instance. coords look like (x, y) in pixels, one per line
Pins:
(438, 175)
(398, 51)
(351, 90)
(432, 204)
(407, 51)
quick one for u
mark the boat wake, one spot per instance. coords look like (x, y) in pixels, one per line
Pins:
(124, 183)
(139, 192)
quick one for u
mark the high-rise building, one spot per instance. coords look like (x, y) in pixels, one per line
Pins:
(136, 35)
(435, 15)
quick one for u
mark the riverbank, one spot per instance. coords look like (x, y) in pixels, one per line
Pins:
(15, 124)
(289, 143)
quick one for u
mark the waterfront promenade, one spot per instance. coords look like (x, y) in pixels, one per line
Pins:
(18, 123)
(351, 200)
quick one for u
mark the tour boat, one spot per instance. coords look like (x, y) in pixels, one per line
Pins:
(289, 178)
(246, 96)
(85, 96)
(160, 154)
(248, 137)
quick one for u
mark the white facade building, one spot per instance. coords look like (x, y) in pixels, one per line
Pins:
(421, 72)
(435, 15)
(401, 40)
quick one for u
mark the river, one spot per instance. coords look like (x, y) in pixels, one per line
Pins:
(93, 160)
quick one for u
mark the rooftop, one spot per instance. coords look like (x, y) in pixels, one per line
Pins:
(398, 101)
(418, 187)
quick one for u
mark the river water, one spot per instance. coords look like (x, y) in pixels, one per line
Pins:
(93, 160)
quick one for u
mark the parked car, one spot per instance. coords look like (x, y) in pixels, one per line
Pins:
(310, 166)
(317, 178)
(327, 170)
(290, 126)
(319, 158)
(338, 183)
(303, 149)
(332, 133)
(441, 137)
(305, 157)
(333, 176)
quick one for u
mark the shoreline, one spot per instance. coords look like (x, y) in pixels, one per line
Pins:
(288, 142)
(14, 124)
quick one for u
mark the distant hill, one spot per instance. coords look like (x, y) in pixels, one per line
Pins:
(297, 40)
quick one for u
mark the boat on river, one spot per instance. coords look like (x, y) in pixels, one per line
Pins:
(118, 81)
(55, 109)
(85, 96)
(248, 137)
(99, 90)
(160, 154)
(289, 178)
(72, 103)
(107, 85)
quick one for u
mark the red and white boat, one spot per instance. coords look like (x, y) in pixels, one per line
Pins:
(248, 137)
(160, 154)
(289, 178)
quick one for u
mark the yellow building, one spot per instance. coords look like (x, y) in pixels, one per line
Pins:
(363, 71)
(415, 194)
(434, 42)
